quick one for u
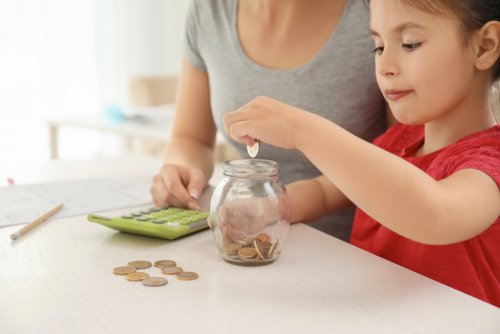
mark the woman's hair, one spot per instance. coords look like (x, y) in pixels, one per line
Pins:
(471, 14)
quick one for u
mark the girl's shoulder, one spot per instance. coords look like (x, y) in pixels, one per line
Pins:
(480, 150)
(399, 138)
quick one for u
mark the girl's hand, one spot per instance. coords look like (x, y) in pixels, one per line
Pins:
(266, 120)
(178, 186)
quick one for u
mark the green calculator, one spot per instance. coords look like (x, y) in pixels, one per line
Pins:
(167, 223)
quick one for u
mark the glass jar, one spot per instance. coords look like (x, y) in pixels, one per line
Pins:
(250, 212)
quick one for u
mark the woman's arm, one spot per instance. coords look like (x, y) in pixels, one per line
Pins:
(193, 133)
(188, 160)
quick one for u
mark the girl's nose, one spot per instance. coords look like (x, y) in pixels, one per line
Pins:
(386, 64)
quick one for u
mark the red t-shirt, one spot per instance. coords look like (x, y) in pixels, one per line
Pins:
(472, 266)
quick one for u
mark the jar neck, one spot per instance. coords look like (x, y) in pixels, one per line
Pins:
(251, 169)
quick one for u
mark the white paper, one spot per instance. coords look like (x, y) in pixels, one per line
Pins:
(24, 203)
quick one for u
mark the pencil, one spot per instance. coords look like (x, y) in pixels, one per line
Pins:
(36, 222)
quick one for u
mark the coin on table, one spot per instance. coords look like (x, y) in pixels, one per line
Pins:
(187, 276)
(165, 263)
(253, 150)
(154, 281)
(171, 270)
(124, 270)
(136, 276)
(140, 264)
(247, 253)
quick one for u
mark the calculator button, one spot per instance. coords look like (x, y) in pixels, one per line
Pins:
(157, 221)
(145, 212)
(136, 214)
(127, 216)
(142, 219)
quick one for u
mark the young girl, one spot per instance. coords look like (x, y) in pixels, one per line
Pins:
(427, 190)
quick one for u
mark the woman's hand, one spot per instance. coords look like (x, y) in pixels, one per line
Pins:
(178, 186)
(266, 120)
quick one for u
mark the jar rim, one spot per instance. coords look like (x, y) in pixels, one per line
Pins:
(251, 168)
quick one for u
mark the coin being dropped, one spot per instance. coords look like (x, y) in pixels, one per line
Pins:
(123, 270)
(140, 264)
(187, 276)
(137, 276)
(253, 150)
(154, 281)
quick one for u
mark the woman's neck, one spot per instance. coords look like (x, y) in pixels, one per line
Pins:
(282, 11)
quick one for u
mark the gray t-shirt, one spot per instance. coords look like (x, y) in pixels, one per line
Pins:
(338, 83)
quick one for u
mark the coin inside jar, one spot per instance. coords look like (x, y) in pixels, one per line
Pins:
(232, 247)
(253, 150)
(154, 281)
(124, 270)
(262, 248)
(247, 253)
(273, 248)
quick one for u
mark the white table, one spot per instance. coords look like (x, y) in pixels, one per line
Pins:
(129, 130)
(58, 279)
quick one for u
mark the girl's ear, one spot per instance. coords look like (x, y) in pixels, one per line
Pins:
(488, 46)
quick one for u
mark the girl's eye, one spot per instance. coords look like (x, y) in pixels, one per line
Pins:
(378, 50)
(411, 46)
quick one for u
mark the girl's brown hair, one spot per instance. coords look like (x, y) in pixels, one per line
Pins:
(471, 14)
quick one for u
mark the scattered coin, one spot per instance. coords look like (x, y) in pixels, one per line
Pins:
(167, 267)
(140, 264)
(154, 281)
(253, 150)
(171, 270)
(187, 276)
(123, 270)
(136, 276)
(247, 252)
(165, 263)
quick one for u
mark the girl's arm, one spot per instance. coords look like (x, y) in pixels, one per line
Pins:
(392, 191)
(314, 198)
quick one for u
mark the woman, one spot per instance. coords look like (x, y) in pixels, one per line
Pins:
(313, 54)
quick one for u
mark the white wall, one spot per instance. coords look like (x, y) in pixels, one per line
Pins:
(61, 58)
(137, 37)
